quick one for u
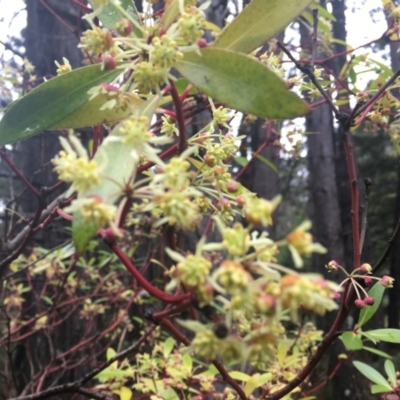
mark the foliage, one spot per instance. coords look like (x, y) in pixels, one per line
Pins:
(246, 310)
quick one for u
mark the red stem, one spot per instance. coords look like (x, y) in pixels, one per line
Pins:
(20, 175)
(180, 118)
(154, 291)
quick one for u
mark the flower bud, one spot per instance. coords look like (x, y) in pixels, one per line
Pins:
(366, 268)
(202, 43)
(368, 281)
(387, 281)
(124, 27)
(360, 303)
(332, 266)
(232, 187)
(369, 301)
(108, 62)
(240, 201)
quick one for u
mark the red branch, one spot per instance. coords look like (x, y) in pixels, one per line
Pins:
(154, 291)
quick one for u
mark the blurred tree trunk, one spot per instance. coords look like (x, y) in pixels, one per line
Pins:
(46, 40)
(329, 213)
(394, 294)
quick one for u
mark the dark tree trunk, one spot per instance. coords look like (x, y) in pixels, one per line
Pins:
(394, 294)
(46, 40)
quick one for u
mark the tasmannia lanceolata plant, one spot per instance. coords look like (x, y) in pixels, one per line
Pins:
(150, 73)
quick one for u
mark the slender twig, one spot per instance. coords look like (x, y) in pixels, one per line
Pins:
(153, 291)
(309, 72)
(20, 175)
(118, 356)
(37, 260)
(180, 118)
(388, 249)
(170, 327)
(367, 183)
(378, 94)
(314, 38)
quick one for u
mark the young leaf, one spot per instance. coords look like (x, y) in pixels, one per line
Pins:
(252, 384)
(259, 22)
(390, 372)
(367, 313)
(51, 102)
(110, 14)
(379, 389)
(351, 341)
(377, 352)
(372, 374)
(239, 376)
(125, 393)
(242, 83)
(386, 335)
(118, 170)
(168, 346)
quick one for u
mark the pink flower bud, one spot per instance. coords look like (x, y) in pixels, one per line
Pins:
(368, 281)
(231, 187)
(366, 268)
(124, 27)
(369, 301)
(336, 295)
(359, 303)
(109, 62)
(387, 281)
(202, 43)
(240, 201)
(332, 266)
(109, 88)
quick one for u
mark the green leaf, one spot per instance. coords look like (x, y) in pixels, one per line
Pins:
(51, 102)
(372, 374)
(119, 167)
(252, 384)
(113, 373)
(125, 393)
(367, 313)
(89, 114)
(267, 162)
(170, 14)
(390, 372)
(386, 335)
(377, 352)
(352, 75)
(110, 353)
(351, 341)
(379, 389)
(239, 376)
(242, 83)
(259, 22)
(168, 346)
(187, 362)
(110, 15)
(242, 161)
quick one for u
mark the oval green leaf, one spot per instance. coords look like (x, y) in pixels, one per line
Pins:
(90, 113)
(242, 83)
(372, 374)
(390, 372)
(119, 166)
(259, 22)
(110, 15)
(389, 335)
(367, 313)
(51, 102)
(351, 341)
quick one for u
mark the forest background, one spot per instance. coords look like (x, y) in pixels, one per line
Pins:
(308, 170)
